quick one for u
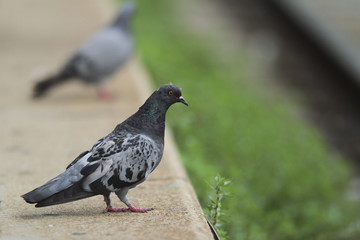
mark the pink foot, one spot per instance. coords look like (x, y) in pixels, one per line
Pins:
(105, 94)
(134, 209)
(131, 208)
(111, 209)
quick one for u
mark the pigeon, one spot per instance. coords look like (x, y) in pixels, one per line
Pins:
(98, 58)
(117, 162)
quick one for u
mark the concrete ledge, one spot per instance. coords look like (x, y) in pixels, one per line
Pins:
(39, 138)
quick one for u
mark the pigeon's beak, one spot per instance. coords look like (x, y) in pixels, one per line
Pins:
(182, 100)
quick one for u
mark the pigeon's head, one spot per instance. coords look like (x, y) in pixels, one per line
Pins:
(170, 94)
(127, 10)
(124, 15)
(151, 114)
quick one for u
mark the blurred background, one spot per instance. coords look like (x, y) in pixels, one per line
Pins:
(273, 92)
(273, 88)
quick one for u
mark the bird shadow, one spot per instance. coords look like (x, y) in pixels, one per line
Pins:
(60, 214)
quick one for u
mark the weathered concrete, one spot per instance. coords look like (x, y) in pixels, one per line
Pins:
(39, 138)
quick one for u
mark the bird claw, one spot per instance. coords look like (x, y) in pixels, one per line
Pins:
(129, 209)
(111, 209)
(142, 210)
(105, 94)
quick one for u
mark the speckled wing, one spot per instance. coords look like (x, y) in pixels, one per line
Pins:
(103, 54)
(118, 162)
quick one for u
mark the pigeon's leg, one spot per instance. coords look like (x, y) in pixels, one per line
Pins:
(122, 196)
(109, 208)
(104, 93)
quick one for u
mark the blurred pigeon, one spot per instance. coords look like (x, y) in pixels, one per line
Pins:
(98, 58)
(118, 161)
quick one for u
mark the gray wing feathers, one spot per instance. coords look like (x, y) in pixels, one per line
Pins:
(59, 183)
(107, 50)
(102, 169)
(72, 193)
(133, 161)
(129, 159)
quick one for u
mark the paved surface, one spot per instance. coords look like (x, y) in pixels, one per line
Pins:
(39, 138)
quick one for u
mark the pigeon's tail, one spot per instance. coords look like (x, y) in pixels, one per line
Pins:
(58, 184)
(43, 86)
(72, 193)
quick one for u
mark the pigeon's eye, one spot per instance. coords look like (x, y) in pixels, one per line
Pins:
(171, 93)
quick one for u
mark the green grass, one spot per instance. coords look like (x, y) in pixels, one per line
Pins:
(286, 183)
